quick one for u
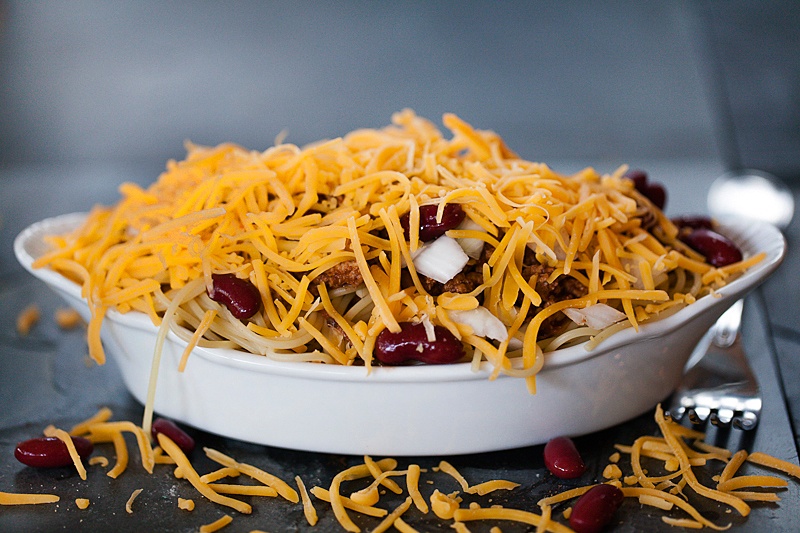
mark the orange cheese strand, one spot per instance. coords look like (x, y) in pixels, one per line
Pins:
(692, 481)
(189, 472)
(16, 498)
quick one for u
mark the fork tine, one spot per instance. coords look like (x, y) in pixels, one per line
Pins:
(722, 417)
(719, 386)
(698, 415)
(746, 421)
(675, 413)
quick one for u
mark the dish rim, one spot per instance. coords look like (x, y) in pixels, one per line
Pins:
(29, 245)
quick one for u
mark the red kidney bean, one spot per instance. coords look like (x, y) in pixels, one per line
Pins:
(50, 452)
(717, 249)
(595, 508)
(177, 435)
(239, 295)
(638, 177)
(562, 458)
(693, 222)
(429, 229)
(411, 343)
(655, 192)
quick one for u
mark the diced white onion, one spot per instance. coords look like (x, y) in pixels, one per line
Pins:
(472, 247)
(597, 316)
(482, 322)
(430, 332)
(440, 259)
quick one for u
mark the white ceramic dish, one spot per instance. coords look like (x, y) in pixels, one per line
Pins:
(417, 410)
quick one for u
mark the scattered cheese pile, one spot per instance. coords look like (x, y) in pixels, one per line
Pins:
(284, 217)
(371, 479)
(30, 316)
(679, 460)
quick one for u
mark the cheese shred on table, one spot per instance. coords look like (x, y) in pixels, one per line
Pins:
(129, 503)
(16, 498)
(660, 468)
(680, 459)
(28, 318)
(82, 503)
(318, 231)
(216, 525)
(65, 437)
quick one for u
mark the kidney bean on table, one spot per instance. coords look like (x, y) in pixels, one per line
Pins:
(595, 509)
(429, 228)
(50, 452)
(239, 295)
(411, 344)
(170, 429)
(717, 249)
(562, 458)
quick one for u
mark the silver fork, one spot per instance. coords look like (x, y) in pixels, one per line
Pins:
(720, 387)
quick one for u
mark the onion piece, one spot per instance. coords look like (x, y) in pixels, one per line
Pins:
(440, 259)
(597, 316)
(482, 322)
(472, 247)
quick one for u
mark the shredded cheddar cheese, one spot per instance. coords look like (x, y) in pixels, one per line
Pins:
(681, 450)
(412, 483)
(216, 525)
(444, 505)
(98, 460)
(221, 473)
(481, 489)
(129, 503)
(28, 318)
(102, 415)
(662, 466)
(15, 498)
(244, 490)
(775, 463)
(65, 437)
(191, 474)
(308, 506)
(281, 487)
(515, 515)
(289, 220)
(402, 526)
(186, 504)
(368, 510)
(392, 517)
(113, 432)
(67, 318)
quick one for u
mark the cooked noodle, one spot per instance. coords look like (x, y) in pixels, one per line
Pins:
(285, 217)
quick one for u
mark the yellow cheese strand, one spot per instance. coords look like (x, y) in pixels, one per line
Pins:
(189, 472)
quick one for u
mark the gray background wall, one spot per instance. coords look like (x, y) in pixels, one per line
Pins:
(86, 80)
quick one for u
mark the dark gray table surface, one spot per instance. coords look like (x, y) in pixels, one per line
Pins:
(44, 379)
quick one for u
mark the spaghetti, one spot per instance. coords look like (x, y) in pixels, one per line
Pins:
(329, 234)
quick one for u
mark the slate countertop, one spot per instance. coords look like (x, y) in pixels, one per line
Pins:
(44, 379)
